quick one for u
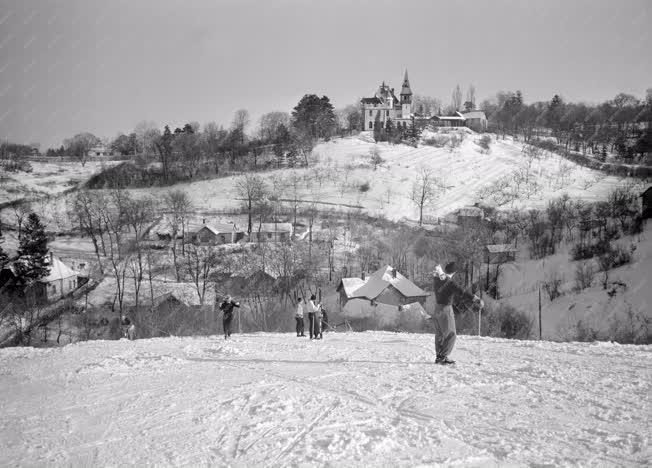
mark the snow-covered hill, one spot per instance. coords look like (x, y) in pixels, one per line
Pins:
(343, 167)
(353, 399)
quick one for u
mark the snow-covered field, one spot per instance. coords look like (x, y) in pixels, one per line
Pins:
(46, 178)
(353, 399)
(344, 167)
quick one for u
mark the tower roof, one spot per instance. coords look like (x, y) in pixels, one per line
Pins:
(406, 85)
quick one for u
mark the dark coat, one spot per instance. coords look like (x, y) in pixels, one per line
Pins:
(446, 290)
(227, 309)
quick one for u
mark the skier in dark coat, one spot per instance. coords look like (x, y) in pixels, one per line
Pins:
(445, 291)
(227, 308)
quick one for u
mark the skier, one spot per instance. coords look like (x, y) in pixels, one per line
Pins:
(298, 316)
(227, 308)
(313, 310)
(444, 319)
(128, 328)
(323, 322)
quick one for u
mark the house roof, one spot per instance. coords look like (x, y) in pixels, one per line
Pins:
(186, 293)
(646, 191)
(371, 100)
(351, 284)
(58, 271)
(474, 114)
(448, 117)
(380, 280)
(501, 248)
(272, 227)
(470, 211)
(218, 228)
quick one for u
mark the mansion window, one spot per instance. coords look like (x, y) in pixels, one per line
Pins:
(371, 125)
(370, 112)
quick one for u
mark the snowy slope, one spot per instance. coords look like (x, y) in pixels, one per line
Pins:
(465, 172)
(365, 399)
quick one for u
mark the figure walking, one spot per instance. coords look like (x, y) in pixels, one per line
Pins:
(227, 307)
(444, 319)
(128, 328)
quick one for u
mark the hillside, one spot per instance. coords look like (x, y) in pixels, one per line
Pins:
(341, 168)
(275, 400)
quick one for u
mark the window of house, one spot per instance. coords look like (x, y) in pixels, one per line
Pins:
(371, 125)
(54, 288)
(269, 235)
(370, 112)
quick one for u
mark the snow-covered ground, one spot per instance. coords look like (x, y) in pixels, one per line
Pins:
(353, 399)
(46, 178)
(343, 166)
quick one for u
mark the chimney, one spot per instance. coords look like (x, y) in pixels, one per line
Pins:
(362, 276)
(393, 272)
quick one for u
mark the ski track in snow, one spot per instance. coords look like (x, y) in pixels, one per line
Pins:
(353, 399)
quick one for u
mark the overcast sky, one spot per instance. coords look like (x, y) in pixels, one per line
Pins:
(102, 66)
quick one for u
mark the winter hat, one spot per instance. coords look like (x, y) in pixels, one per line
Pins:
(450, 268)
(313, 297)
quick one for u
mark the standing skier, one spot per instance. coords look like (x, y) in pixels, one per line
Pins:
(445, 291)
(298, 316)
(227, 309)
(313, 311)
(128, 328)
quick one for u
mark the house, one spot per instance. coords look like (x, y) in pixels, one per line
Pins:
(456, 120)
(476, 120)
(384, 286)
(59, 282)
(214, 233)
(384, 105)
(469, 216)
(271, 232)
(500, 253)
(99, 151)
(363, 314)
(646, 203)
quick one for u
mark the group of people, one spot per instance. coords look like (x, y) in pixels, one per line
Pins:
(443, 317)
(317, 318)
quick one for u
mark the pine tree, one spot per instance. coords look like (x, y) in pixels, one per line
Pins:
(33, 250)
(4, 258)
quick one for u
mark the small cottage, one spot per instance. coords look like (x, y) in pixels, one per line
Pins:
(384, 286)
(500, 253)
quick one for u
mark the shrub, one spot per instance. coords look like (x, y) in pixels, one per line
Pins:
(506, 321)
(552, 284)
(485, 143)
(16, 166)
(584, 275)
(438, 141)
(584, 332)
(582, 251)
(633, 328)
(364, 187)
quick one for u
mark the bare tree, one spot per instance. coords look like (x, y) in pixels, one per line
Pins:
(375, 159)
(178, 205)
(20, 211)
(200, 264)
(270, 124)
(470, 95)
(250, 188)
(456, 98)
(425, 190)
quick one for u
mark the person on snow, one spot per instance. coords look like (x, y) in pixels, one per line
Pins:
(313, 317)
(298, 316)
(227, 307)
(128, 328)
(324, 320)
(445, 291)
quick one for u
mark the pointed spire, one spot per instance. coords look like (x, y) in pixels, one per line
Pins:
(405, 90)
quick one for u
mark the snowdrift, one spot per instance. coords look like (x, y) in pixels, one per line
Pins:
(352, 399)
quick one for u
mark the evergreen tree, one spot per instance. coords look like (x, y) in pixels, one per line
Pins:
(314, 116)
(378, 134)
(33, 250)
(4, 258)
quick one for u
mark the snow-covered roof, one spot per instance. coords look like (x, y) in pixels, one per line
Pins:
(186, 293)
(380, 280)
(272, 227)
(449, 117)
(470, 211)
(351, 284)
(58, 271)
(474, 114)
(218, 228)
(501, 248)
